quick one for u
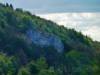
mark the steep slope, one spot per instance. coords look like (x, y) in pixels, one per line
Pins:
(44, 39)
(41, 47)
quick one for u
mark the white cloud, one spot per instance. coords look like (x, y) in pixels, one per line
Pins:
(87, 23)
(93, 32)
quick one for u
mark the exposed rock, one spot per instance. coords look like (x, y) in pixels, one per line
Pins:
(45, 39)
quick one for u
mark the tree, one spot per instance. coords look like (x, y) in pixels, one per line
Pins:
(6, 65)
(24, 71)
(33, 68)
(49, 71)
(41, 63)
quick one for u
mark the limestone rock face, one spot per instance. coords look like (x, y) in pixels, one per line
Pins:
(45, 39)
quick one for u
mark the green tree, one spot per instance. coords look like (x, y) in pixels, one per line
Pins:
(49, 71)
(6, 65)
(24, 71)
(41, 63)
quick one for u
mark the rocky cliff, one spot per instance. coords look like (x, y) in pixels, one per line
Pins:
(45, 39)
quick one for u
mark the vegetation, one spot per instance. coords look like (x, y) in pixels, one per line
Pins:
(18, 56)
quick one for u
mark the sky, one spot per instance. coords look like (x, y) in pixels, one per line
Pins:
(55, 6)
(82, 15)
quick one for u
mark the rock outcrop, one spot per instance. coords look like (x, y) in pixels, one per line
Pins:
(45, 39)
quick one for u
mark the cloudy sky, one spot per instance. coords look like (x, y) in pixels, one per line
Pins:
(83, 15)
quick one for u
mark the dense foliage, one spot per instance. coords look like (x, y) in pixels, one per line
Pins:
(18, 56)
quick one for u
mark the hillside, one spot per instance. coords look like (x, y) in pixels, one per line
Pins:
(30, 45)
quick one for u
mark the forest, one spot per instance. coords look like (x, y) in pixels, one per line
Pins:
(30, 45)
